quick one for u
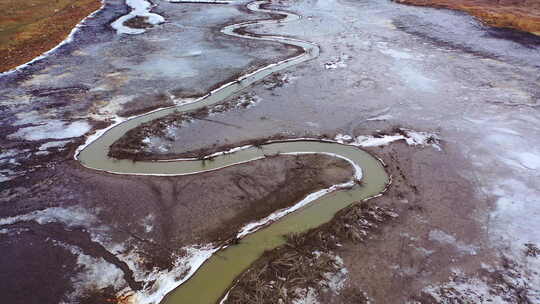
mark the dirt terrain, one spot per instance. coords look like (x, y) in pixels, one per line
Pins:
(31, 28)
(522, 15)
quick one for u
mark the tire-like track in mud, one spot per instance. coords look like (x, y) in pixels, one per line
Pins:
(210, 282)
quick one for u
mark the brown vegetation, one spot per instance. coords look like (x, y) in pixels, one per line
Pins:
(522, 15)
(32, 27)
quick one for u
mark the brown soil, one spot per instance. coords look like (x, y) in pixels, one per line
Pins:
(138, 23)
(522, 15)
(36, 26)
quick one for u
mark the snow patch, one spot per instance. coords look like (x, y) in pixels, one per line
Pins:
(412, 138)
(7, 175)
(370, 141)
(506, 162)
(416, 79)
(444, 238)
(528, 160)
(309, 296)
(40, 153)
(112, 107)
(512, 284)
(331, 281)
(148, 223)
(53, 144)
(247, 100)
(53, 129)
(515, 216)
(139, 8)
(466, 291)
(380, 117)
(397, 54)
(337, 62)
(424, 251)
(95, 274)
(336, 281)
(166, 281)
(10, 153)
(341, 138)
(70, 216)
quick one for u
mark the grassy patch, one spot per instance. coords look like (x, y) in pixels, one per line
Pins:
(32, 27)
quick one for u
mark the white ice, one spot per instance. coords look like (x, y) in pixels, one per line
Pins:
(95, 273)
(53, 144)
(52, 129)
(71, 216)
(139, 8)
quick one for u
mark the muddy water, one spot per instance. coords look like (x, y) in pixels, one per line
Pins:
(213, 279)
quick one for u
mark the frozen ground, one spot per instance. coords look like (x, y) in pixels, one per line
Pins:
(382, 66)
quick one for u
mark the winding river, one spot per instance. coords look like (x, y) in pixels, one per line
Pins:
(211, 282)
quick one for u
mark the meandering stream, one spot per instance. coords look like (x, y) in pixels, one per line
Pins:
(214, 278)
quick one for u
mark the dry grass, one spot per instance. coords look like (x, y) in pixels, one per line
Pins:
(522, 15)
(31, 27)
